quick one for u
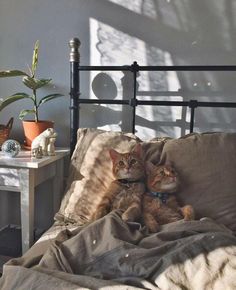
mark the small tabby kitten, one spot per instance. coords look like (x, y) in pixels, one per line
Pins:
(126, 191)
(159, 202)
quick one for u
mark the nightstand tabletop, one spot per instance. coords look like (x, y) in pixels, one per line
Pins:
(24, 159)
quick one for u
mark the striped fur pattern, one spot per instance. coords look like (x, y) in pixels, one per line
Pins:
(162, 179)
(126, 191)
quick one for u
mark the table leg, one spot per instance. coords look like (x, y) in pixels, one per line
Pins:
(27, 187)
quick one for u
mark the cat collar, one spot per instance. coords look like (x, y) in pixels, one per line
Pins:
(163, 196)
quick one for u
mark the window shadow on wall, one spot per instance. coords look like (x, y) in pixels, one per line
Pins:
(167, 33)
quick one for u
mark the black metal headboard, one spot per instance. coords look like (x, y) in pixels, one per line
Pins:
(75, 99)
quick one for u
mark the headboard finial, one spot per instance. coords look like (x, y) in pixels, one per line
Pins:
(74, 45)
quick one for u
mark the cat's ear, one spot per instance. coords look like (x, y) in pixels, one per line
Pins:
(113, 154)
(138, 150)
(150, 167)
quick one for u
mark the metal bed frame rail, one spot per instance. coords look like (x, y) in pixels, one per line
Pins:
(75, 99)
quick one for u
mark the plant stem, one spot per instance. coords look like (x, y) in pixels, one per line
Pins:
(36, 118)
(36, 114)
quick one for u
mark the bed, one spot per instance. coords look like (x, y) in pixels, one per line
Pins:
(110, 254)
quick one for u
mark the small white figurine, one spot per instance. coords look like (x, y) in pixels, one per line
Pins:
(51, 146)
(43, 141)
(37, 153)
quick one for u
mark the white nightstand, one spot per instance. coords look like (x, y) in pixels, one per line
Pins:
(23, 174)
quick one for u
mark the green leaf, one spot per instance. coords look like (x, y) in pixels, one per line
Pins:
(24, 94)
(35, 57)
(48, 98)
(23, 113)
(34, 83)
(12, 73)
(13, 98)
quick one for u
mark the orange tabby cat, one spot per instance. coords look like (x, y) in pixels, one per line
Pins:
(126, 191)
(159, 202)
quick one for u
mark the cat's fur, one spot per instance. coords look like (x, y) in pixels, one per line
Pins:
(159, 209)
(126, 191)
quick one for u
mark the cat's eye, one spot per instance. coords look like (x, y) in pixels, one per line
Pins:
(133, 161)
(121, 163)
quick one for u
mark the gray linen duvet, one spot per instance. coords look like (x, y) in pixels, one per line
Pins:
(109, 254)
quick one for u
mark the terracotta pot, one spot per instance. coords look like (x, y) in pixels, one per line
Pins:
(32, 129)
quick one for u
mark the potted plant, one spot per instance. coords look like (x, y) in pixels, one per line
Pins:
(32, 128)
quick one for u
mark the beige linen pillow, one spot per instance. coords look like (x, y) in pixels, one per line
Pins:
(152, 149)
(91, 172)
(207, 167)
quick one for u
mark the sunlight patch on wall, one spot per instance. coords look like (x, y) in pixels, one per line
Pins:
(113, 47)
(110, 46)
(173, 84)
(176, 14)
(146, 7)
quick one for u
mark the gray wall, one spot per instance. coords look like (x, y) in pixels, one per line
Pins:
(153, 32)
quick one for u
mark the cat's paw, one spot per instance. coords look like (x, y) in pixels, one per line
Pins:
(154, 228)
(188, 213)
(126, 217)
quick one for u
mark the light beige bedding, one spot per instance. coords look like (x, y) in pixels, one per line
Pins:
(109, 254)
